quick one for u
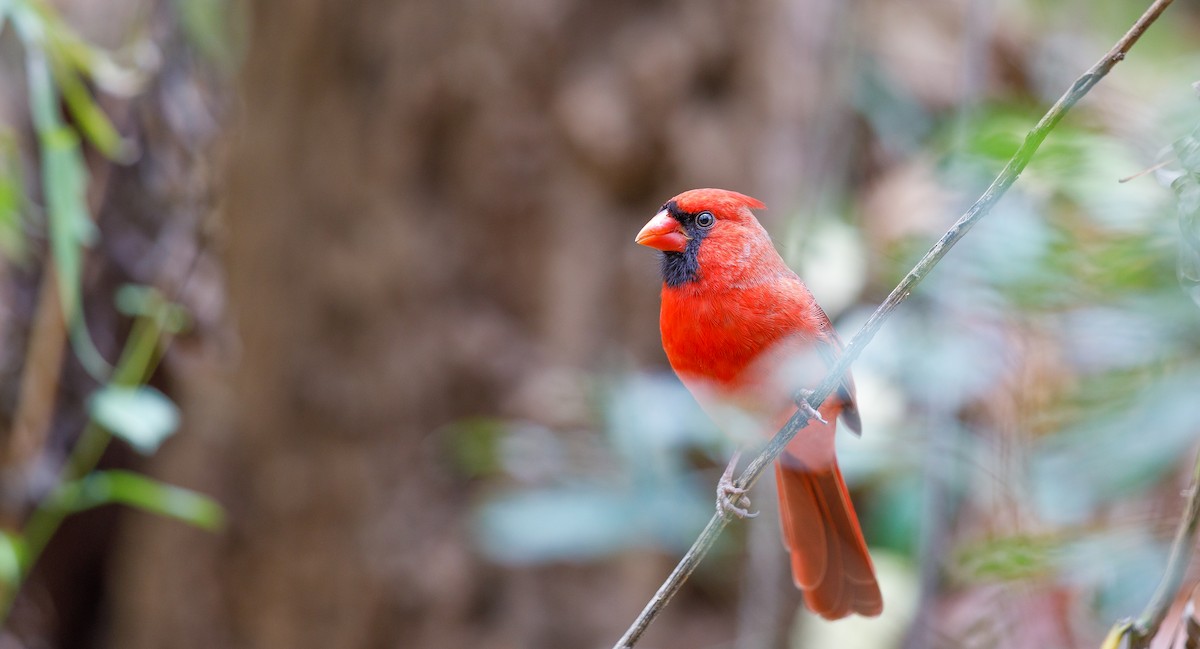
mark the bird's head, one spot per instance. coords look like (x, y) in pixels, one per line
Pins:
(701, 222)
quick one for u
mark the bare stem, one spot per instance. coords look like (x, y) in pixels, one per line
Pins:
(977, 211)
(1142, 630)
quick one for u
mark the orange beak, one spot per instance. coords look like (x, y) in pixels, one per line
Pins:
(664, 233)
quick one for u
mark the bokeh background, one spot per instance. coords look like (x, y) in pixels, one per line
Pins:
(374, 261)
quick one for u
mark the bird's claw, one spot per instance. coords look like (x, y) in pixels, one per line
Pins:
(801, 399)
(729, 495)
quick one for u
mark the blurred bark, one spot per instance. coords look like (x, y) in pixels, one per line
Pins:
(429, 211)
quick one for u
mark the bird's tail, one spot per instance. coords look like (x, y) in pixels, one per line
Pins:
(830, 562)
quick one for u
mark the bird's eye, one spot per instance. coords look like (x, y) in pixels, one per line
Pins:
(705, 219)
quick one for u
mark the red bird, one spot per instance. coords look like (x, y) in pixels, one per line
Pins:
(738, 327)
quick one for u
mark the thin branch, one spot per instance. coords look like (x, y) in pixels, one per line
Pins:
(1142, 630)
(36, 396)
(1147, 170)
(977, 211)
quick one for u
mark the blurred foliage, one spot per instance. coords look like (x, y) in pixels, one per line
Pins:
(138, 491)
(56, 62)
(1008, 558)
(474, 445)
(10, 559)
(1056, 332)
(1185, 181)
(141, 415)
(212, 29)
(12, 199)
(587, 510)
(62, 71)
(1039, 381)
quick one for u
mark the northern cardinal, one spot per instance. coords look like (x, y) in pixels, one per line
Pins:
(737, 324)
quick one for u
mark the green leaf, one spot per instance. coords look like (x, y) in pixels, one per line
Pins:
(1008, 558)
(474, 444)
(137, 300)
(96, 126)
(71, 229)
(65, 179)
(10, 559)
(145, 493)
(209, 27)
(40, 26)
(64, 183)
(12, 199)
(141, 415)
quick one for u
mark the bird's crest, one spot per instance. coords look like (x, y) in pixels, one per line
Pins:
(696, 200)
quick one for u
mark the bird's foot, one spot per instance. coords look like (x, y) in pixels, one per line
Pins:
(730, 496)
(801, 399)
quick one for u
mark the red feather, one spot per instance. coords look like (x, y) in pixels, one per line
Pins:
(739, 330)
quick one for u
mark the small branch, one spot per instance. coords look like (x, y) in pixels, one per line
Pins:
(977, 211)
(1141, 631)
(36, 398)
(1147, 170)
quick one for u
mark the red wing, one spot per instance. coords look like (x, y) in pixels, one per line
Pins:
(829, 346)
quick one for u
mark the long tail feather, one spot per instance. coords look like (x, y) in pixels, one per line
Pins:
(829, 557)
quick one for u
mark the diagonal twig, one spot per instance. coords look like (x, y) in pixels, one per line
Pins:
(977, 211)
(1140, 631)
